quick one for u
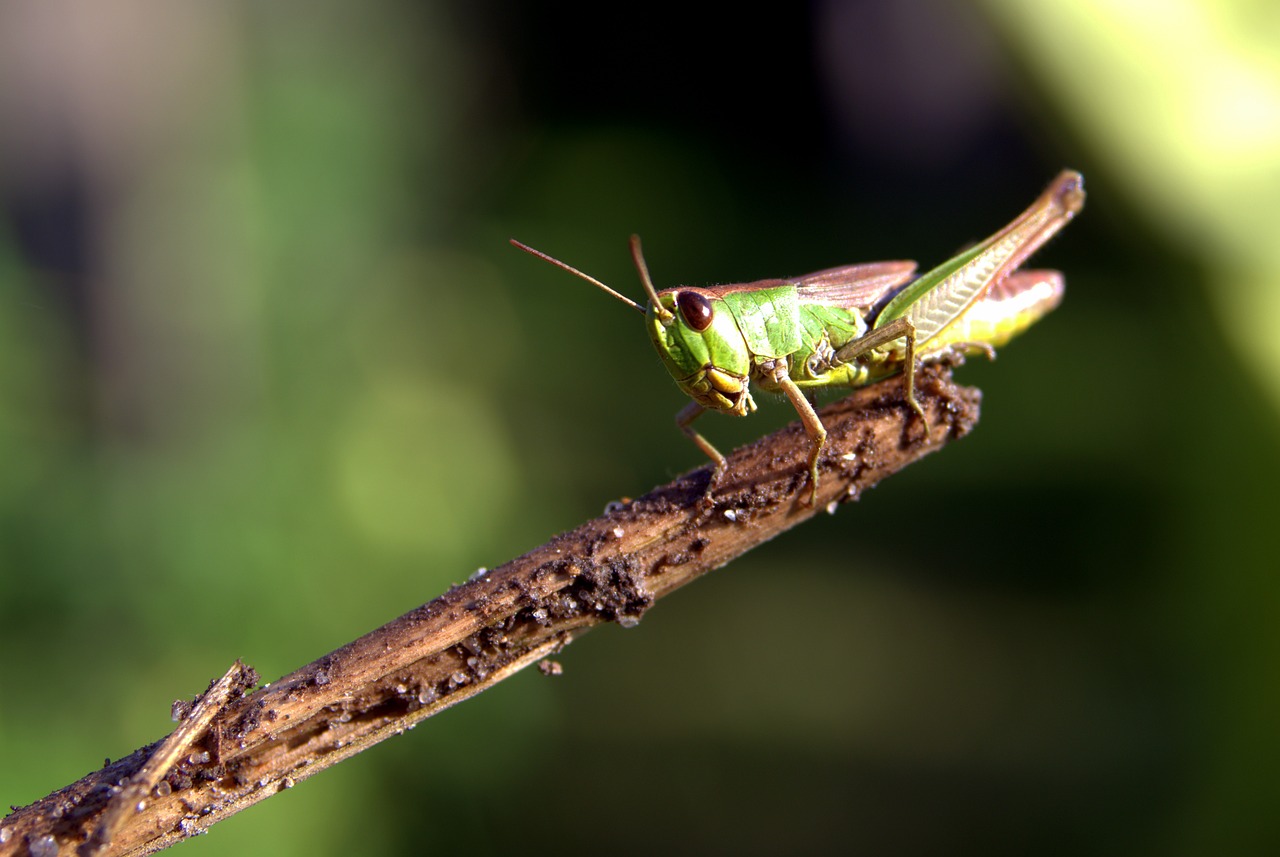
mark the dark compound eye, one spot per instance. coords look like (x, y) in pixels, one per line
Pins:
(696, 310)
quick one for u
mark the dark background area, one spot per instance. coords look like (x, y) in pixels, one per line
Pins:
(270, 375)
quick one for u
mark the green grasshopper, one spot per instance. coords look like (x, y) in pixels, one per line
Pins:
(847, 326)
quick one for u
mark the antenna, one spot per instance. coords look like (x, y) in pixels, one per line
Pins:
(637, 255)
(590, 279)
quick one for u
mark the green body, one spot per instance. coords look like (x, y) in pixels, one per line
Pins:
(849, 326)
(835, 328)
(754, 329)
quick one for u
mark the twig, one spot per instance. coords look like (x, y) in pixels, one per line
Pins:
(611, 569)
(133, 796)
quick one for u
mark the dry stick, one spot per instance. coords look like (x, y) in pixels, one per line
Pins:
(134, 795)
(611, 569)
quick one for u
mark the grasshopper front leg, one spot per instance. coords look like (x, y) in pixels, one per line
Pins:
(684, 420)
(899, 328)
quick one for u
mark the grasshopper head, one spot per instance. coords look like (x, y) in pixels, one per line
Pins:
(695, 334)
(700, 343)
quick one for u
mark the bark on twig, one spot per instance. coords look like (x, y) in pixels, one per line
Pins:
(133, 796)
(610, 569)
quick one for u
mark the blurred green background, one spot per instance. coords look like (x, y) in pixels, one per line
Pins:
(270, 376)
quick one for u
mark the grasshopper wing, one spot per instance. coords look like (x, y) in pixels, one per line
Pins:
(854, 286)
(942, 295)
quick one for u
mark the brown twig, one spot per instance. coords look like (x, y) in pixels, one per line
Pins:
(133, 797)
(610, 569)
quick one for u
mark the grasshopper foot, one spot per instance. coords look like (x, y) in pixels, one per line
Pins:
(812, 498)
(924, 419)
(713, 482)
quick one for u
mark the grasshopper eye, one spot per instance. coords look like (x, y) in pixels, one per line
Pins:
(696, 309)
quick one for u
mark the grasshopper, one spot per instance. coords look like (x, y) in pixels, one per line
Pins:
(846, 326)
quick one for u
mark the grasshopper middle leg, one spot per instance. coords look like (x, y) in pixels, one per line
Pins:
(812, 426)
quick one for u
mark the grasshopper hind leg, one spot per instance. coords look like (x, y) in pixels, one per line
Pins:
(899, 328)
